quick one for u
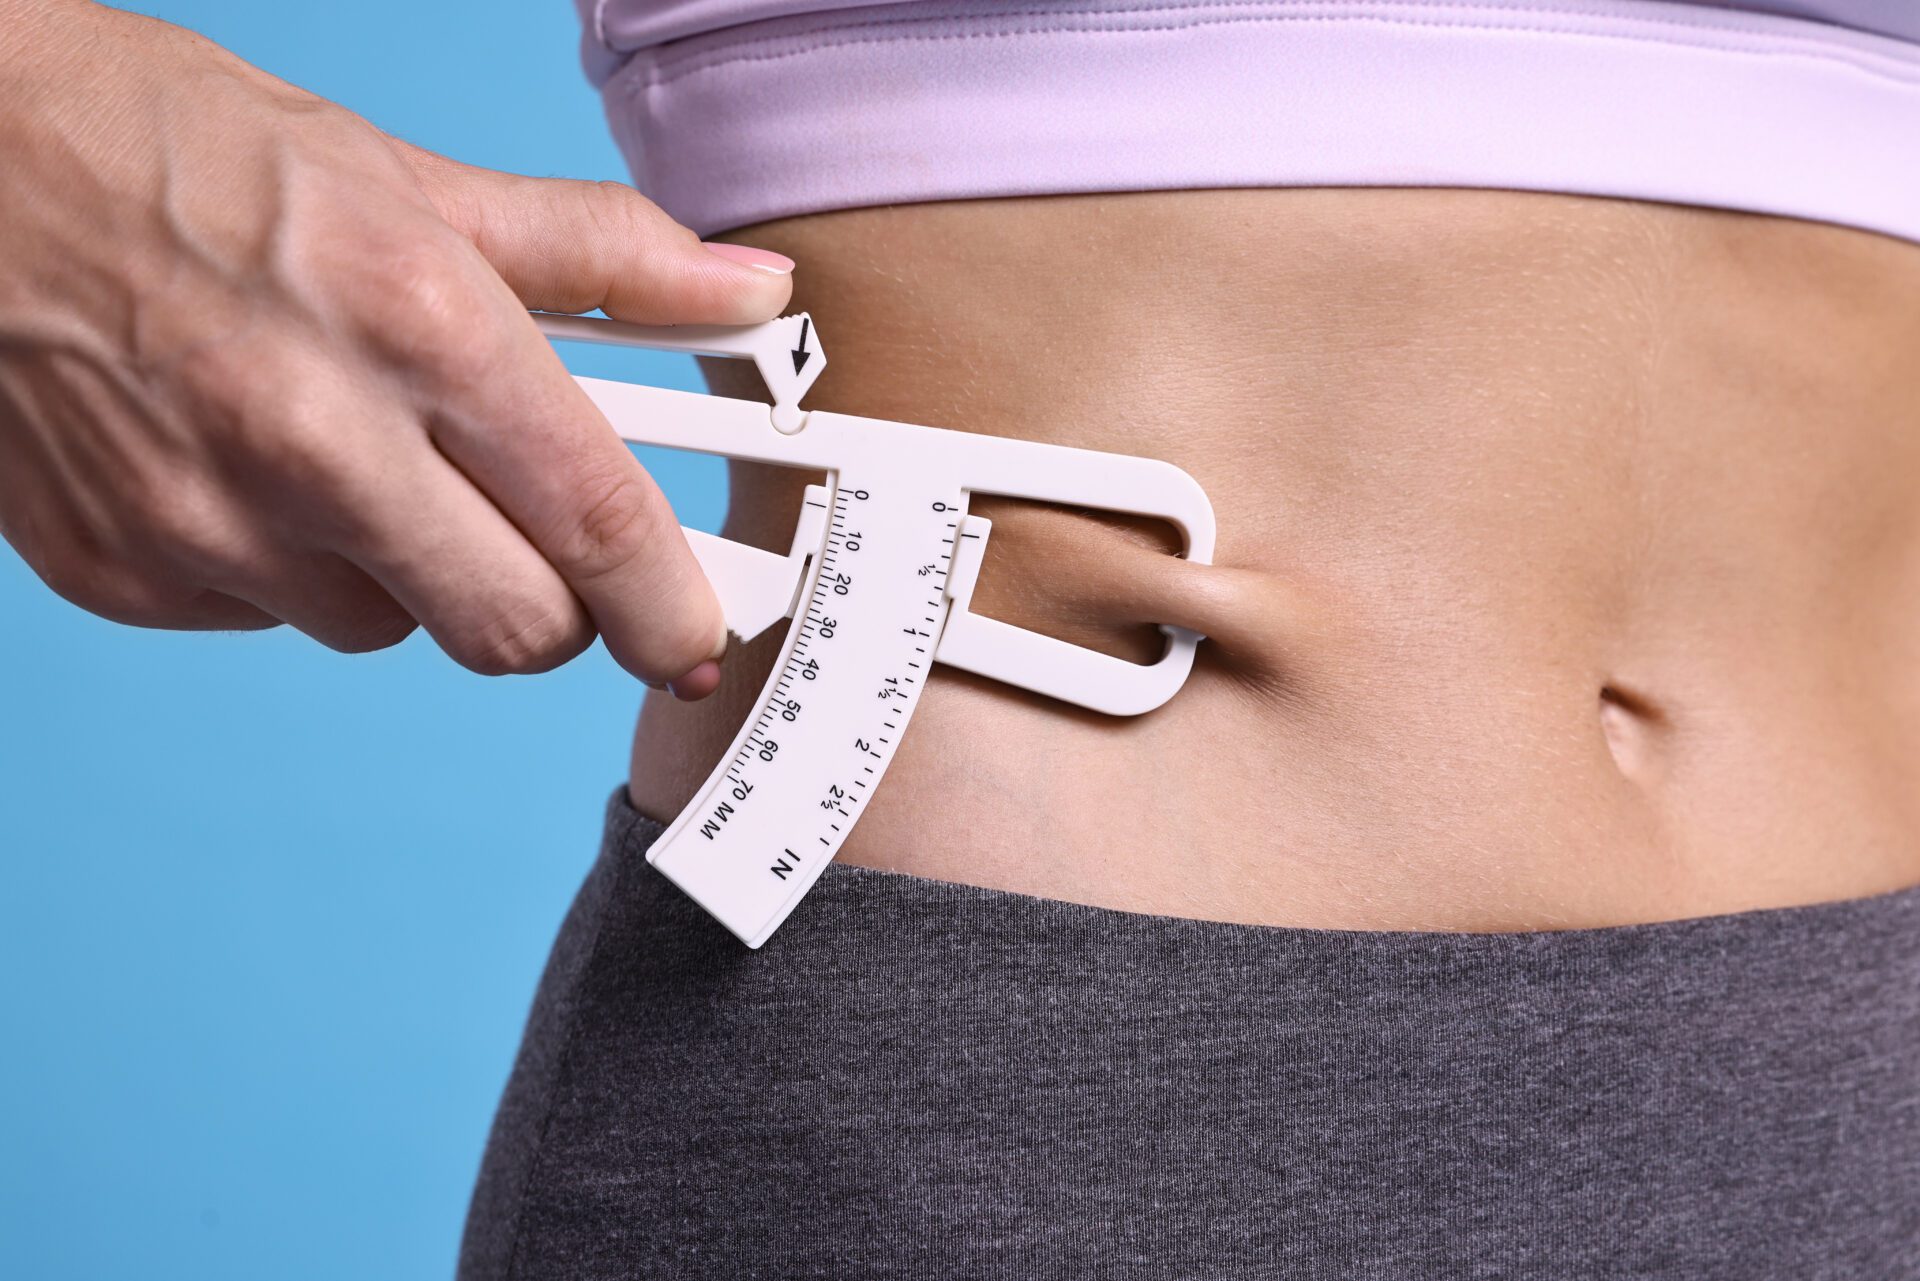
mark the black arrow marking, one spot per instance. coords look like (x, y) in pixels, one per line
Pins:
(800, 353)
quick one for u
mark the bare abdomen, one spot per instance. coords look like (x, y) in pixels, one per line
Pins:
(1570, 551)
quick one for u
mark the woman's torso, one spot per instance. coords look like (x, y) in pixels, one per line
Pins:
(1569, 551)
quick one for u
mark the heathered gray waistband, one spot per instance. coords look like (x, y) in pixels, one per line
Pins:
(915, 1078)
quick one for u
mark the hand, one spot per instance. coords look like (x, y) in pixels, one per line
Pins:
(260, 362)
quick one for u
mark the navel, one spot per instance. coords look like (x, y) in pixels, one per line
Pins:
(1634, 725)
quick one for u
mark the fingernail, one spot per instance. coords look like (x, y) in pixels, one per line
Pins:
(696, 684)
(657, 686)
(747, 256)
(719, 650)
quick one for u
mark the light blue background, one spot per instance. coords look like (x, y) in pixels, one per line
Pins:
(270, 916)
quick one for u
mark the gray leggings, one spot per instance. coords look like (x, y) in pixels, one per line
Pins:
(915, 1078)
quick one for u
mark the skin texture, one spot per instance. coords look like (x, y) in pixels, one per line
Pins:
(260, 362)
(1567, 565)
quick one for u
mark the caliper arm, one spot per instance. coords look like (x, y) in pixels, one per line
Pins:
(879, 579)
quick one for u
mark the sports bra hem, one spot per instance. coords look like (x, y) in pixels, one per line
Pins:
(947, 99)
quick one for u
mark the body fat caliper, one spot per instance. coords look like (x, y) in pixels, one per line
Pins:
(877, 583)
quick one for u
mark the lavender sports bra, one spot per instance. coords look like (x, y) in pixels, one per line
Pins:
(735, 111)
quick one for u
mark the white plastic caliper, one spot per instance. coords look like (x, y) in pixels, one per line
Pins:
(878, 582)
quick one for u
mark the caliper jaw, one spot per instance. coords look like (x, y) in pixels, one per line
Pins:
(758, 588)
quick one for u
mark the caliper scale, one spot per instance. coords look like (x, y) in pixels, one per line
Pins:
(877, 583)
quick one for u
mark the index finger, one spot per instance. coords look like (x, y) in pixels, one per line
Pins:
(513, 419)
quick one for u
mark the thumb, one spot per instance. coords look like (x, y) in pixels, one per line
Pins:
(567, 245)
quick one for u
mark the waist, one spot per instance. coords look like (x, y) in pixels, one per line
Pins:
(1566, 562)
